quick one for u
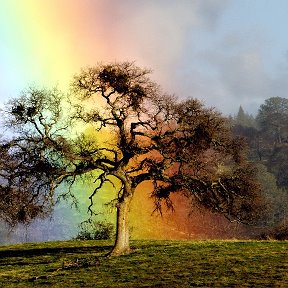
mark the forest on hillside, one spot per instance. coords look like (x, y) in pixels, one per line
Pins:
(266, 135)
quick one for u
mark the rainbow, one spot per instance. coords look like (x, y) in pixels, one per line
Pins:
(45, 42)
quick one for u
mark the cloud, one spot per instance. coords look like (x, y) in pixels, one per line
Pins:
(246, 76)
(210, 11)
(155, 33)
(232, 70)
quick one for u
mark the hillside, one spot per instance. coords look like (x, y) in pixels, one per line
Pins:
(151, 264)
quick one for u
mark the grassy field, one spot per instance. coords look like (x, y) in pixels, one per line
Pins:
(151, 264)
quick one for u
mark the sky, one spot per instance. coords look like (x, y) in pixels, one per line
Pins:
(226, 53)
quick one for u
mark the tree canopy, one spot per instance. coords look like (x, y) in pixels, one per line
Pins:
(272, 119)
(179, 146)
(268, 150)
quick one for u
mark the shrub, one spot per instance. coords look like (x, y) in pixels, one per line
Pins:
(95, 230)
(280, 232)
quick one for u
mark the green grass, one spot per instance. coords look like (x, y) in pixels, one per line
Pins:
(151, 264)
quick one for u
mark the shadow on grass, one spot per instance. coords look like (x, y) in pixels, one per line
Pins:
(53, 251)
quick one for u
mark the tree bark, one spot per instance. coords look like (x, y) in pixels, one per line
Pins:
(122, 244)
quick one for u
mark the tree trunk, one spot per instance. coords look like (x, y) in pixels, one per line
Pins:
(122, 245)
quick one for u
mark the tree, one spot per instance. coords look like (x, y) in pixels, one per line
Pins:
(252, 138)
(276, 198)
(25, 178)
(244, 119)
(273, 137)
(272, 119)
(179, 146)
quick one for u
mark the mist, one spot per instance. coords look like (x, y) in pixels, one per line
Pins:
(225, 53)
